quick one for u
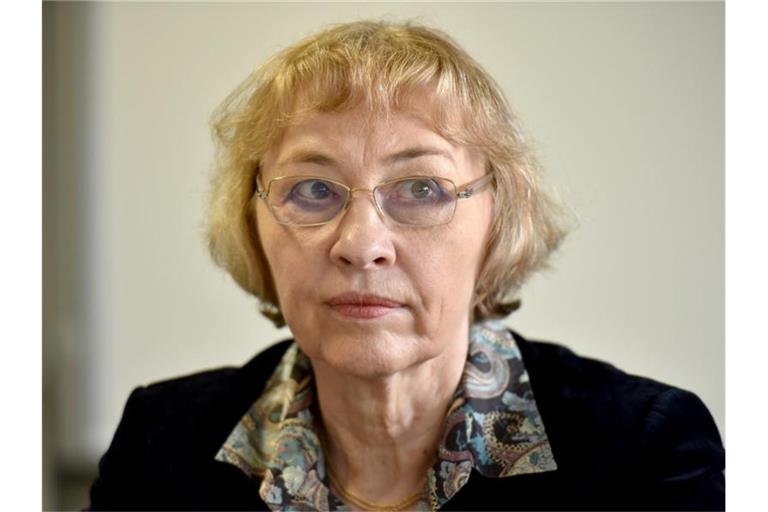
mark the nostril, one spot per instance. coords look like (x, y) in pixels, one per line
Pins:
(363, 242)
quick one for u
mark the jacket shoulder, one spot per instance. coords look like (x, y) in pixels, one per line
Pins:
(608, 399)
(644, 441)
(571, 367)
(174, 424)
(213, 388)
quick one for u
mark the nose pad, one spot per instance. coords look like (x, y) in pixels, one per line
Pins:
(364, 239)
(371, 199)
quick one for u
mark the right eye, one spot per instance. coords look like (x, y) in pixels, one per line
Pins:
(313, 190)
(314, 194)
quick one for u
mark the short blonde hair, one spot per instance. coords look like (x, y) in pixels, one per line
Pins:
(379, 65)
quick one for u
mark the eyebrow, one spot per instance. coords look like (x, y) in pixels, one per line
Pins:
(417, 152)
(317, 158)
(307, 157)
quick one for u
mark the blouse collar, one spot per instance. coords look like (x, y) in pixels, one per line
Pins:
(493, 427)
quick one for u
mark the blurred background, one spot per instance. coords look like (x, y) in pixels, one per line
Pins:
(625, 102)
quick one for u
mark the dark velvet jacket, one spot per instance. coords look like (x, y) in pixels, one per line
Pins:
(621, 442)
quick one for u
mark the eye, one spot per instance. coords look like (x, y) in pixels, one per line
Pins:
(418, 190)
(317, 190)
(310, 194)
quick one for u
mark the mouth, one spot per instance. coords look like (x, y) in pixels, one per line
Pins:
(363, 306)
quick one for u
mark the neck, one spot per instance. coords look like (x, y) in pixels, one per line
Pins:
(382, 433)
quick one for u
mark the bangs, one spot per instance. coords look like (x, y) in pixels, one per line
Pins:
(380, 71)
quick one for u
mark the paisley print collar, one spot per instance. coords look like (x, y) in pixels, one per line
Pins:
(493, 427)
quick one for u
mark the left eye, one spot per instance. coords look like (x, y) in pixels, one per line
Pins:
(418, 189)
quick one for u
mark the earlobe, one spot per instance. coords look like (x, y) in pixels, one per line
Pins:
(272, 312)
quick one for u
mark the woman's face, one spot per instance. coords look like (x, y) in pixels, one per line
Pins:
(362, 294)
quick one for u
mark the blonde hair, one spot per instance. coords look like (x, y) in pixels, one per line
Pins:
(379, 65)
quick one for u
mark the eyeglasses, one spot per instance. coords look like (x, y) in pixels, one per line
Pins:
(411, 201)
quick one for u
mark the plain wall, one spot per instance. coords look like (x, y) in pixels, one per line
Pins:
(625, 102)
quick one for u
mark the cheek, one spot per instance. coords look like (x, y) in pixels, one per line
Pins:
(444, 270)
(465, 253)
(287, 254)
(301, 268)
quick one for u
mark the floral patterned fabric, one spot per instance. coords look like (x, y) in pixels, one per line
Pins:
(493, 426)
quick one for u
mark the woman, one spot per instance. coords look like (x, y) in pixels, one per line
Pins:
(374, 191)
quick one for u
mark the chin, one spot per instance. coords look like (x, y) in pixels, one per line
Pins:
(370, 358)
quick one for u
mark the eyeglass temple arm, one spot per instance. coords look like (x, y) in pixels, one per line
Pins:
(474, 186)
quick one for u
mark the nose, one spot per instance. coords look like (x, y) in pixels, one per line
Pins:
(363, 239)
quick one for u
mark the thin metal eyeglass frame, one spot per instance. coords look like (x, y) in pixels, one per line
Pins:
(464, 192)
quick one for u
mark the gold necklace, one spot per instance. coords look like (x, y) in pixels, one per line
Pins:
(364, 504)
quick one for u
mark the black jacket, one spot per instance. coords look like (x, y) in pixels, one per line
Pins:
(621, 442)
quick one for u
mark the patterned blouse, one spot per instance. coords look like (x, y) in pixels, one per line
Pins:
(493, 426)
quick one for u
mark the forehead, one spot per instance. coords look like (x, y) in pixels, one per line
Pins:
(361, 129)
(359, 137)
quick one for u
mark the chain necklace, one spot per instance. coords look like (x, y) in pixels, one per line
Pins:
(357, 500)
(363, 503)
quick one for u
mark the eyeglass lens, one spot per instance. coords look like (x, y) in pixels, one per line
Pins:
(417, 201)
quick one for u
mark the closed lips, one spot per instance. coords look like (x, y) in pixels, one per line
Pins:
(353, 299)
